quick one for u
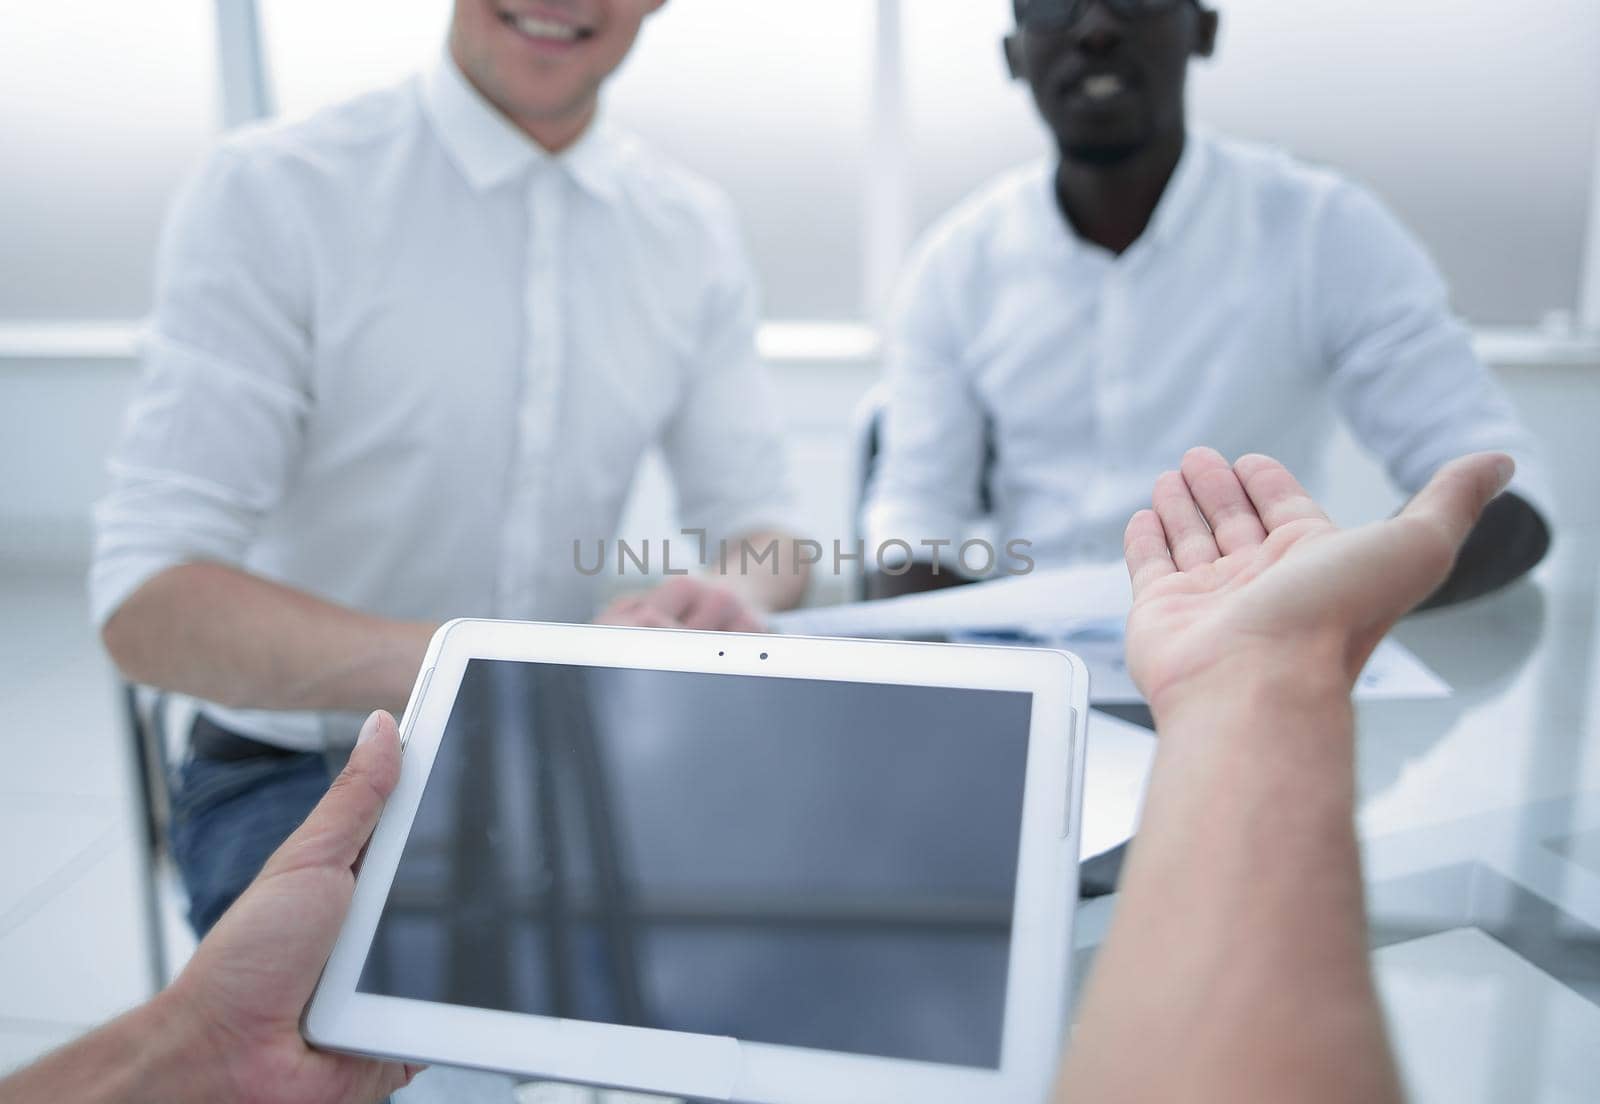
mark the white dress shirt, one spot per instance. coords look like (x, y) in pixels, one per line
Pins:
(402, 359)
(1264, 297)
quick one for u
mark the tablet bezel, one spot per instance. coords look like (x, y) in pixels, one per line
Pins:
(711, 1067)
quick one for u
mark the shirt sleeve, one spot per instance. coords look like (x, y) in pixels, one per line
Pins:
(215, 426)
(724, 448)
(1404, 373)
(926, 483)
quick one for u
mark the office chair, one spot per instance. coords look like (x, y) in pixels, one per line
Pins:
(156, 725)
(867, 435)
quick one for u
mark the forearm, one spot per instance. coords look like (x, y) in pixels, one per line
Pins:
(147, 1055)
(1237, 966)
(226, 636)
(1508, 542)
(774, 582)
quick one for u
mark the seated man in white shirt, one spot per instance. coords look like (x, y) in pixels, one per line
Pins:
(405, 359)
(1064, 336)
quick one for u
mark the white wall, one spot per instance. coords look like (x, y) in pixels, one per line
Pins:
(103, 108)
(58, 418)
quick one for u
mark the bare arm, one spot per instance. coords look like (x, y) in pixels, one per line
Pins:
(233, 638)
(1237, 967)
(147, 1054)
(764, 588)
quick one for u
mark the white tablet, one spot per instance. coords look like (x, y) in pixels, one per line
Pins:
(723, 867)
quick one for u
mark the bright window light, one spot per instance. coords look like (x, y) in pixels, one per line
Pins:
(1476, 122)
(103, 110)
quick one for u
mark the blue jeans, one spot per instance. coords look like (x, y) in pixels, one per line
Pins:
(228, 817)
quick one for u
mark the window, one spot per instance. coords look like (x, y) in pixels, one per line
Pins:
(1476, 122)
(321, 53)
(104, 109)
(770, 99)
(767, 99)
(841, 128)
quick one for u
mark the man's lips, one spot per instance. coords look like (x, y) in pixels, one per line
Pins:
(1102, 86)
(545, 29)
(1093, 82)
(1098, 87)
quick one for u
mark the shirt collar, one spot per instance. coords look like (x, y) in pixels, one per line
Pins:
(1176, 207)
(1184, 190)
(490, 150)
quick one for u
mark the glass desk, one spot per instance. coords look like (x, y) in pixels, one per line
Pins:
(1480, 822)
(1480, 818)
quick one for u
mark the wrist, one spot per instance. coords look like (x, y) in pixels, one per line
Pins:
(1284, 684)
(1283, 748)
(180, 1058)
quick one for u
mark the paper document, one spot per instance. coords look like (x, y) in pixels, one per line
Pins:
(1119, 760)
(1076, 609)
(1395, 673)
(1065, 594)
(1098, 642)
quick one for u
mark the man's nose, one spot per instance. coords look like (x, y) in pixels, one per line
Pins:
(1099, 30)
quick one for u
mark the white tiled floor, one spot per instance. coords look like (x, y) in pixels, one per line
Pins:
(73, 946)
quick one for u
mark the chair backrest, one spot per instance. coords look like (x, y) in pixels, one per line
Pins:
(867, 443)
(867, 438)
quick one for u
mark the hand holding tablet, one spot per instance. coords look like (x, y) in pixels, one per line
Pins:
(723, 866)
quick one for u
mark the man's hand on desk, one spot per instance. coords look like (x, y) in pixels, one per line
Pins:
(1237, 571)
(229, 1027)
(684, 604)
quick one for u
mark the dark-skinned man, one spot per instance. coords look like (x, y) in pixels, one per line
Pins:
(1065, 335)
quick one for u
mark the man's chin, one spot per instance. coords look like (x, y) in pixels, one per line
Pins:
(1102, 155)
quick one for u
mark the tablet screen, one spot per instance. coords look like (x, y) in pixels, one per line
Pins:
(794, 861)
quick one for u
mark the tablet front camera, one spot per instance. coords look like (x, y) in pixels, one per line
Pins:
(763, 655)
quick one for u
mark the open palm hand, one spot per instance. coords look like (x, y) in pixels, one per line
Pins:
(1236, 568)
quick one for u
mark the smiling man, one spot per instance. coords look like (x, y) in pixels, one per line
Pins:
(1064, 336)
(404, 355)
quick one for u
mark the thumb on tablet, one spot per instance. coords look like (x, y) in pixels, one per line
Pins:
(251, 977)
(338, 828)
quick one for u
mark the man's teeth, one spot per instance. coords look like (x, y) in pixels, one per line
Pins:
(543, 28)
(1102, 86)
